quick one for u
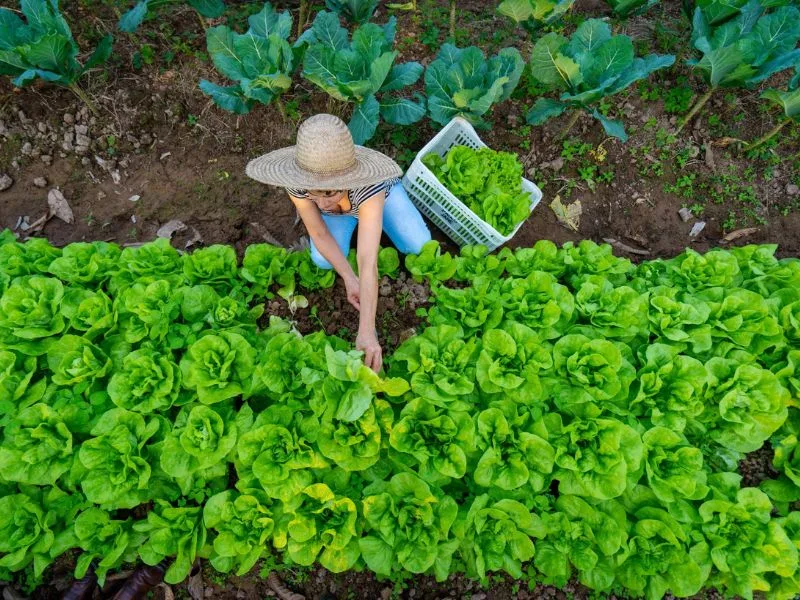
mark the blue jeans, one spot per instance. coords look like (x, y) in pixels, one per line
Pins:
(401, 222)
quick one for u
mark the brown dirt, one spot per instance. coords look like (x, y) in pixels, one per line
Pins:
(330, 311)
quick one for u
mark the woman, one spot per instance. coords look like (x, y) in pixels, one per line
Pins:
(335, 186)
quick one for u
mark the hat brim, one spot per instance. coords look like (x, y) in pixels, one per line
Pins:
(280, 168)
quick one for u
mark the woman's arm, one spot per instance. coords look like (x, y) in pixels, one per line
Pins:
(324, 241)
(370, 226)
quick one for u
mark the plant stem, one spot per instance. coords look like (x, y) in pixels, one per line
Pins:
(301, 17)
(695, 109)
(571, 123)
(281, 108)
(202, 20)
(767, 136)
(453, 20)
(75, 89)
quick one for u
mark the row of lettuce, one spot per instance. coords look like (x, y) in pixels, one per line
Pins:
(563, 414)
(734, 45)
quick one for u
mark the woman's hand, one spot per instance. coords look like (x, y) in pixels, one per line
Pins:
(353, 288)
(373, 354)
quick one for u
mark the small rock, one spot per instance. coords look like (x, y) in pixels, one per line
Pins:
(101, 195)
(40, 182)
(27, 148)
(686, 214)
(165, 155)
(479, 596)
(42, 127)
(133, 219)
(69, 136)
(81, 139)
(36, 152)
(3, 128)
(81, 129)
(15, 164)
(22, 116)
(115, 176)
(673, 120)
(146, 139)
(135, 198)
(792, 189)
(69, 119)
(80, 150)
(85, 161)
(697, 228)
(59, 207)
(5, 182)
(46, 159)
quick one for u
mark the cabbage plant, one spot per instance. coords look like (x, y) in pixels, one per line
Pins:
(535, 14)
(461, 82)
(360, 69)
(260, 61)
(355, 11)
(42, 47)
(588, 67)
(744, 51)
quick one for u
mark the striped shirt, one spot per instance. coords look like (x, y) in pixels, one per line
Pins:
(354, 198)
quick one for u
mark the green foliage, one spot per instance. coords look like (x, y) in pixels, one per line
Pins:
(431, 263)
(244, 524)
(563, 409)
(177, 532)
(534, 14)
(719, 11)
(131, 20)
(748, 49)
(626, 8)
(588, 67)
(261, 61)
(355, 11)
(488, 182)
(460, 82)
(360, 69)
(42, 46)
(106, 541)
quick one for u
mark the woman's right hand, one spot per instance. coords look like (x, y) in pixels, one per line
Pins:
(353, 292)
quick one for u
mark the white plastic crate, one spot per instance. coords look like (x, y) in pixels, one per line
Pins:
(437, 202)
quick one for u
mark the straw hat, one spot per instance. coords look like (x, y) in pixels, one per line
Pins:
(324, 158)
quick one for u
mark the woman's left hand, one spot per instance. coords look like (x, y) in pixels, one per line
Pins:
(373, 354)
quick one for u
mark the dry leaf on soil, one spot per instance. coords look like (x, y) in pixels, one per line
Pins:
(739, 233)
(568, 215)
